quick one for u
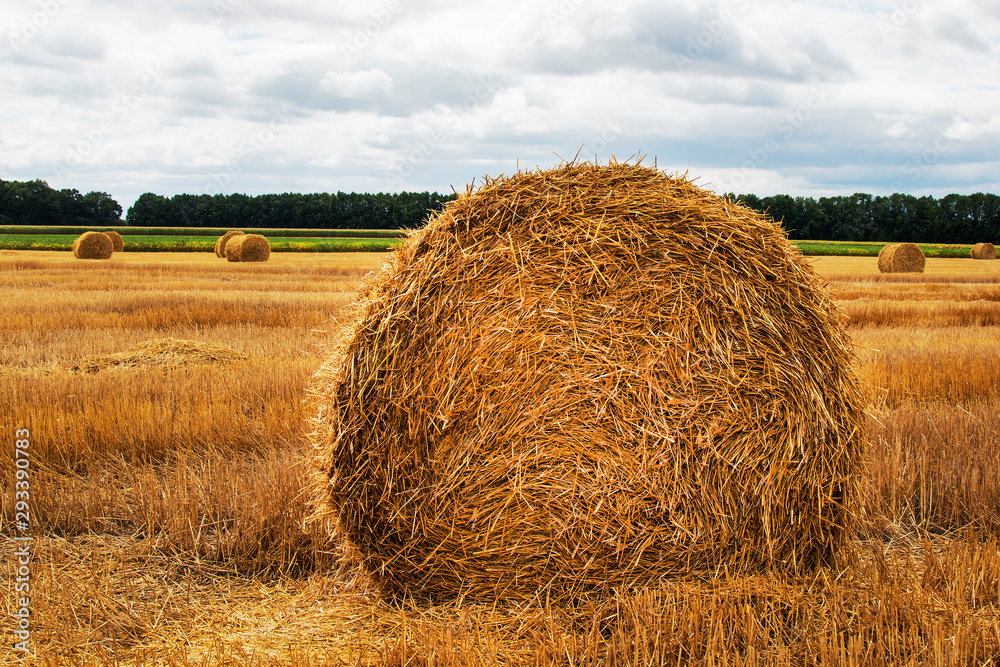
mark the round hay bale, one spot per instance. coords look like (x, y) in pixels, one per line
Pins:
(220, 245)
(116, 239)
(589, 378)
(93, 245)
(984, 251)
(901, 258)
(248, 248)
(885, 258)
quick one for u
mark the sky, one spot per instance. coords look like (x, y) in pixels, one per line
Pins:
(812, 98)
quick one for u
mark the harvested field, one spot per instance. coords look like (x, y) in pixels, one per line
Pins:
(179, 534)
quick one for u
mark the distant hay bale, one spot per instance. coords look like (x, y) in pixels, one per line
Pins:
(589, 378)
(220, 245)
(116, 239)
(93, 245)
(885, 258)
(248, 248)
(984, 251)
(160, 352)
(901, 258)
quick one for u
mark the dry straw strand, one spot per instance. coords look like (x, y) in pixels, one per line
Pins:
(116, 239)
(248, 248)
(589, 378)
(93, 245)
(984, 251)
(901, 258)
(220, 245)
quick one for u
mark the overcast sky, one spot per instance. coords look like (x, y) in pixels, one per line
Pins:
(804, 98)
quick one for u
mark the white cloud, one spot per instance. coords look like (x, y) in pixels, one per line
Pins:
(897, 129)
(356, 84)
(963, 129)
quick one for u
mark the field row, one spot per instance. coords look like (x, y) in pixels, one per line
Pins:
(175, 243)
(282, 240)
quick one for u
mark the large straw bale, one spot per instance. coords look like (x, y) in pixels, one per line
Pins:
(586, 378)
(901, 258)
(220, 245)
(248, 248)
(93, 245)
(116, 239)
(984, 251)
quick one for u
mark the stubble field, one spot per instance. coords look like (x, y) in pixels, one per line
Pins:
(169, 501)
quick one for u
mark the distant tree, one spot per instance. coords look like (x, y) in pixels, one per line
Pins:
(927, 222)
(969, 218)
(984, 217)
(750, 201)
(35, 203)
(151, 210)
(102, 208)
(782, 209)
(846, 216)
(811, 220)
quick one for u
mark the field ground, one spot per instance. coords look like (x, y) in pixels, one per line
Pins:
(169, 506)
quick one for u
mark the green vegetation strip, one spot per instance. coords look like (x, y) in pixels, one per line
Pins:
(872, 249)
(171, 243)
(347, 240)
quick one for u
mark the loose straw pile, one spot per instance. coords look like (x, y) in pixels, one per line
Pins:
(160, 352)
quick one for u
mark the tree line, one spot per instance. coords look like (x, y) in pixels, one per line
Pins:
(898, 217)
(34, 203)
(858, 217)
(289, 210)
